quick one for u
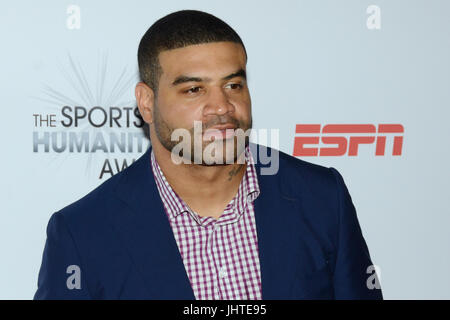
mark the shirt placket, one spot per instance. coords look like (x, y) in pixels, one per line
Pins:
(211, 251)
(220, 266)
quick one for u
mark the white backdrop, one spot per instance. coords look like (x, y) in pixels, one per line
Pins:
(310, 62)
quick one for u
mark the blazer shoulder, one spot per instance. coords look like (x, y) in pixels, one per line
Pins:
(298, 172)
(96, 203)
(302, 166)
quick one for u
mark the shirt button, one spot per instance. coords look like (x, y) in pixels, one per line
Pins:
(216, 293)
(223, 273)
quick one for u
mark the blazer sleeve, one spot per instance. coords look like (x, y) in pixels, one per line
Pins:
(61, 275)
(353, 272)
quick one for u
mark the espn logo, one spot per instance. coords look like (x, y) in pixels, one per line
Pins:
(346, 138)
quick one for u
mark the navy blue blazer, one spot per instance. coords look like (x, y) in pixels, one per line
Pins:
(310, 242)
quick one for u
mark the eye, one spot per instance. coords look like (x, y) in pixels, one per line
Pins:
(235, 86)
(192, 90)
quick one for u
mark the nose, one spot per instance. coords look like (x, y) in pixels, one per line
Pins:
(218, 103)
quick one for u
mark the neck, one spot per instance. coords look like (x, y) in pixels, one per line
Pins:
(194, 183)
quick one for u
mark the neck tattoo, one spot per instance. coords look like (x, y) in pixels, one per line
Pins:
(234, 172)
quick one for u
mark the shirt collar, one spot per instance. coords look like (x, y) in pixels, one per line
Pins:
(248, 188)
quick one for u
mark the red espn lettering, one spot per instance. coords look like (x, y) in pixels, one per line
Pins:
(349, 141)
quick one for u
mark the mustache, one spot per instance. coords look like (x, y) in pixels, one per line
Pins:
(225, 119)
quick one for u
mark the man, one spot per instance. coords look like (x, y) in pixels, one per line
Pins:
(203, 222)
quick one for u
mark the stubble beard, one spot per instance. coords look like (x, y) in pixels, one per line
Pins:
(232, 145)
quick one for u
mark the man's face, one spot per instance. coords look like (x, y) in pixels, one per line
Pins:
(205, 83)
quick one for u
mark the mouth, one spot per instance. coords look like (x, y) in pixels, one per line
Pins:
(221, 132)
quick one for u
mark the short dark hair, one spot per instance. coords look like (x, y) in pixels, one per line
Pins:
(176, 30)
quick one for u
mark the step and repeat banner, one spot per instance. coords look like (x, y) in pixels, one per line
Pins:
(362, 86)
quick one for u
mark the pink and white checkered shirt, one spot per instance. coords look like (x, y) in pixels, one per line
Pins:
(220, 255)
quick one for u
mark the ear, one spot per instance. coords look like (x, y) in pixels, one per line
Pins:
(145, 100)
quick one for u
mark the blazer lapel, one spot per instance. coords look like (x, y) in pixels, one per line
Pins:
(146, 232)
(276, 241)
(283, 249)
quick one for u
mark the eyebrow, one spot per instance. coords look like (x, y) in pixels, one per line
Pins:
(182, 79)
